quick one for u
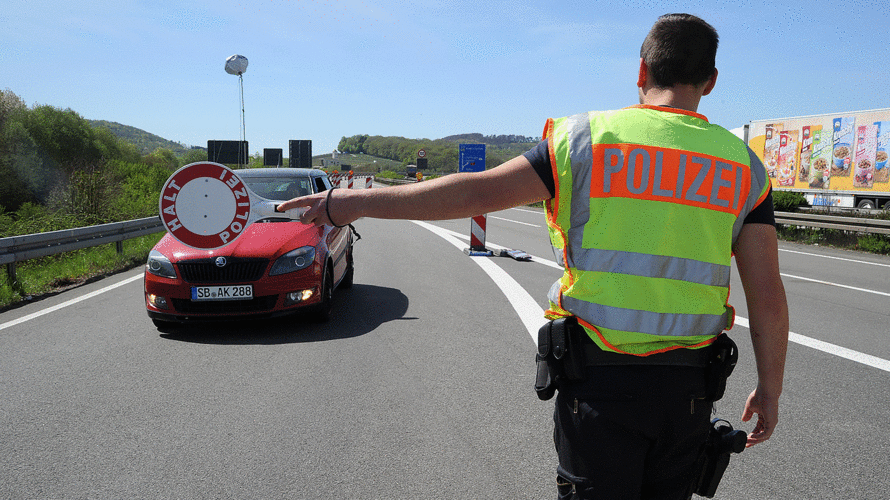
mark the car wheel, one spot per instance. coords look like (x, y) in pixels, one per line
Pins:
(324, 308)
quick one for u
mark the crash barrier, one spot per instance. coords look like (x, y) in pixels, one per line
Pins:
(854, 224)
(20, 248)
(15, 249)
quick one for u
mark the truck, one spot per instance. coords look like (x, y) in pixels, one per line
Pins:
(833, 159)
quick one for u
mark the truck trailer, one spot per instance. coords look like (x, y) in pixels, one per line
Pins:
(833, 159)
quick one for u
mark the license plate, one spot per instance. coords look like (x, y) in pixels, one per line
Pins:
(231, 292)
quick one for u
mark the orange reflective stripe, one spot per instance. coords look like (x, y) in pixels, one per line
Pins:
(670, 175)
(670, 110)
(553, 205)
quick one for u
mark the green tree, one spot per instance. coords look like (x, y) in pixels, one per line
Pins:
(193, 155)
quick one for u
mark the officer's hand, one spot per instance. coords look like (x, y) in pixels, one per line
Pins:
(316, 213)
(767, 410)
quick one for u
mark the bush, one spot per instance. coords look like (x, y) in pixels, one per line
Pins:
(787, 201)
(875, 243)
(389, 174)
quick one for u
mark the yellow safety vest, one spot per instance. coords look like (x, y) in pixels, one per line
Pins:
(647, 205)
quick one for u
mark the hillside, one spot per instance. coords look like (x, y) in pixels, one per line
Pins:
(442, 154)
(145, 142)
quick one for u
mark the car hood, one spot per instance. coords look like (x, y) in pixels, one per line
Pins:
(262, 239)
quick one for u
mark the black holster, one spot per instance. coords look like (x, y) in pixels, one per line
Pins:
(560, 356)
(722, 363)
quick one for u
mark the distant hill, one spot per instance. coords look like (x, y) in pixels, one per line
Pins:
(494, 140)
(145, 142)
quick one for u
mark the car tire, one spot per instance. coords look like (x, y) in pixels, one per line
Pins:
(323, 310)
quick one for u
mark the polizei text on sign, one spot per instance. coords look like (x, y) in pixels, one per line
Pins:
(205, 205)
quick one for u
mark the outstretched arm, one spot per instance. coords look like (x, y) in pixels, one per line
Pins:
(757, 257)
(453, 196)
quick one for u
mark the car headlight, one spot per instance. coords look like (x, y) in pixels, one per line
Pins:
(158, 264)
(294, 260)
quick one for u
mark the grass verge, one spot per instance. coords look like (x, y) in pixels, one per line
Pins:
(49, 275)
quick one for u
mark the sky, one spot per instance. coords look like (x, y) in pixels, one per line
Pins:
(325, 69)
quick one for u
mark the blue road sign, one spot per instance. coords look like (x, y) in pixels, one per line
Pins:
(472, 158)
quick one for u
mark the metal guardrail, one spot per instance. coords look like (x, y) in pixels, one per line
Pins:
(856, 224)
(19, 248)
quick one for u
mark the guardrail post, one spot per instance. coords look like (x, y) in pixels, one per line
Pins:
(10, 271)
(119, 246)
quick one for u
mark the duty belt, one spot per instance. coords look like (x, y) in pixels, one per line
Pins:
(594, 356)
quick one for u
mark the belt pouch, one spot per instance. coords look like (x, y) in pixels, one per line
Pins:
(545, 383)
(573, 361)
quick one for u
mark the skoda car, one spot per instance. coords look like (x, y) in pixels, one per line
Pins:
(278, 266)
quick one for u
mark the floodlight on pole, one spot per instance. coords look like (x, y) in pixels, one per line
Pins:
(237, 65)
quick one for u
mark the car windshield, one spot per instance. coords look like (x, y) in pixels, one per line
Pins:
(279, 188)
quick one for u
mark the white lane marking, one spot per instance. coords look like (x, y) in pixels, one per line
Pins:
(843, 352)
(69, 303)
(530, 313)
(527, 210)
(514, 221)
(836, 284)
(836, 258)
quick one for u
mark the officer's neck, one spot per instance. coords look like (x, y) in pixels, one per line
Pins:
(679, 96)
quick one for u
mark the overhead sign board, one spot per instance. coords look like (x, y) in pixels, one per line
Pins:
(472, 158)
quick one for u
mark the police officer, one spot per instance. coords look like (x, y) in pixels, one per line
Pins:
(646, 206)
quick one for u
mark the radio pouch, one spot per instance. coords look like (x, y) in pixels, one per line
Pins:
(545, 386)
(560, 356)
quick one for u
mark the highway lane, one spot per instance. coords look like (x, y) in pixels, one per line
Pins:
(833, 408)
(420, 387)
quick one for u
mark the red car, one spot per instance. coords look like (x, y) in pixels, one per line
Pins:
(278, 266)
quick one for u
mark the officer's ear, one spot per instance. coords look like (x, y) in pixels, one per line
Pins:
(643, 75)
(709, 86)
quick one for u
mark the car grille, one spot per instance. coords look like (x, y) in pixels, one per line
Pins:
(254, 305)
(235, 270)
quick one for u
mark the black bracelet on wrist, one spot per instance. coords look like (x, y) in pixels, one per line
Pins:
(327, 208)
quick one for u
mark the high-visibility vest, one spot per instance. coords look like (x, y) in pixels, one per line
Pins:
(648, 203)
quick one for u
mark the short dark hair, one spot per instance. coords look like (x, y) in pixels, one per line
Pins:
(680, 49)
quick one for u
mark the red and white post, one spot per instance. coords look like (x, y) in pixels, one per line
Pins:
(477, 233)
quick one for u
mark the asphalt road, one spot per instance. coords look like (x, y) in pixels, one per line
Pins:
(420, 386)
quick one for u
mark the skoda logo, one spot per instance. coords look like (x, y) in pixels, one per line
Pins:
(220, 262)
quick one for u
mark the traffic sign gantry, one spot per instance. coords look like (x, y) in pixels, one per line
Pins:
(206, 205)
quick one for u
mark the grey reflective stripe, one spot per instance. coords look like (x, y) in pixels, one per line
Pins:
(652, 323)
(581, 155)
(652, 266)
(557, 253)
(758, 181)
